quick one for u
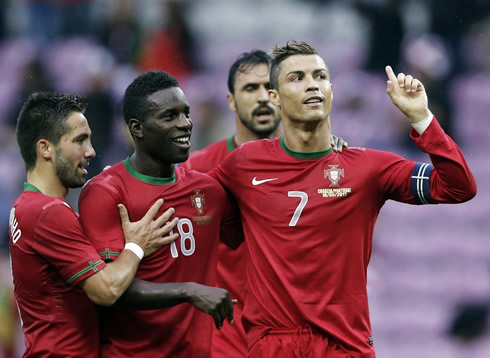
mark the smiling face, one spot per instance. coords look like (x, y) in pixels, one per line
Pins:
(305, 91)
(166, 130)
(250, 101)
(73, 152)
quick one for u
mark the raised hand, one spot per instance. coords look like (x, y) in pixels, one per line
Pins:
(408, 94)
(213, 301)
(148, 233)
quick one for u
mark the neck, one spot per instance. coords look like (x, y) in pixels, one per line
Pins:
(308, 136)
(244, 135)
(47, 182)
(146, 165)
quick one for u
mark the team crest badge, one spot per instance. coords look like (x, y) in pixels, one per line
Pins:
(333, 174)
(198, 201)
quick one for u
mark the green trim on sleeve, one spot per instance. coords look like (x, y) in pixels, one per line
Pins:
(106, 254)
(91, 266)
(146, 178)
(303, 155)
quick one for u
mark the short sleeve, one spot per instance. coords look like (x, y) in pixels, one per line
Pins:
(60, 240)
(101, 221)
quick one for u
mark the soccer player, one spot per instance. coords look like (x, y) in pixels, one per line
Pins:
(308, 213)
(256, 118)
(158, 116)
(53, 262)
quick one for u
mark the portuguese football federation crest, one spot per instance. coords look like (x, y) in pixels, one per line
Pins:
(198, 201)
(333, 174)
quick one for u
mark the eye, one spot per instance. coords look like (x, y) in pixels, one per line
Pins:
(168, 116)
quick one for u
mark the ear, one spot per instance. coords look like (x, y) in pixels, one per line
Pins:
(135, 128)
(45, 149)
(231, 101)
(331, 91)
(275, 97)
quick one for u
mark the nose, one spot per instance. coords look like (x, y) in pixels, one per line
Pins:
(90, 152)
(185, 121)
(263, 95)
(311, 84)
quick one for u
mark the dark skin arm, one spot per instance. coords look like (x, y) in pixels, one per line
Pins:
(144, 295)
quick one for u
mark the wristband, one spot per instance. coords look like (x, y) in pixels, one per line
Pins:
(421, 126)
(135, 248)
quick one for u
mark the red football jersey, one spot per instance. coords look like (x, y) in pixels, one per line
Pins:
(231, 274)
(201, 203)
(308, 220)
(50, 255)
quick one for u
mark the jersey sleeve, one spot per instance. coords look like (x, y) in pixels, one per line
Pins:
(451, 180)
(231, 231)
(60, 240)
(100, 219)
(446, 180)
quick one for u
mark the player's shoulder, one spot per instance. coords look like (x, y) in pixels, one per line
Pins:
(107, 176)
(190, 177)
(257, 147)
(208, 157)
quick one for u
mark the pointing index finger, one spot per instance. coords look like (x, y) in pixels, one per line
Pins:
(390, 74)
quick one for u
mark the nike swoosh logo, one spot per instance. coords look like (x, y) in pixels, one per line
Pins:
(258, 182)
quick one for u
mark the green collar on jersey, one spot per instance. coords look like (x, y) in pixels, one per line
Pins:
(31, 187)
(310, 155)
(231, 144)
(146, 178)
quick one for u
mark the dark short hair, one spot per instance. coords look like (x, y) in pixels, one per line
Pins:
(244, 63)
(43, 116)
(135, 102)
(279, 54)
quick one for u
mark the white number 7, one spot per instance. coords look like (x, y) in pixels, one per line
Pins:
(297, 213)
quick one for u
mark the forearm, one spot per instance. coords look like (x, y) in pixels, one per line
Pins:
(144, 295)
(106, 286)
(452, 180)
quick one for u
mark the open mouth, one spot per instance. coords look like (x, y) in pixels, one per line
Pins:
(313, 100)
(184, 140)
(263, 113)
(82, 168)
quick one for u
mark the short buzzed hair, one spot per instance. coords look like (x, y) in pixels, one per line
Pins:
(279, 54)
(135, 101)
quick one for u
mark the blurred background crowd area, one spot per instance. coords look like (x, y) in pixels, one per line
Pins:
(427, 262)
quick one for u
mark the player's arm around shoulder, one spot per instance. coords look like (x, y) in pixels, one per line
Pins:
(142, 238)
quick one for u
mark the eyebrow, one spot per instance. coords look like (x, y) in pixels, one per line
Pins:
(299, 72)
(80, 136)
(254, 84)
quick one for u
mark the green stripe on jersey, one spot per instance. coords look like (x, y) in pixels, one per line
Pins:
(91, 266)
(303, 155)
(106, 254)
(146, 178)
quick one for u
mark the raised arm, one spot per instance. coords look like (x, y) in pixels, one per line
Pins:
(408, 94)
